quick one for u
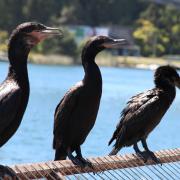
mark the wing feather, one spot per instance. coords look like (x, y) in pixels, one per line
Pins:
(134, 115)
(10, 97)
(63, 113)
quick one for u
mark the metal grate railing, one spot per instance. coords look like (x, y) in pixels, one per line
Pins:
(128, 166)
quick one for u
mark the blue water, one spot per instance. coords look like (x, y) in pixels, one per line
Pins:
(33, 140)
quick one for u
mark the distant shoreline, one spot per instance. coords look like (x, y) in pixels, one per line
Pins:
(102, 60)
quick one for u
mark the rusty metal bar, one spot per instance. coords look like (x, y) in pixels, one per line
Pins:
(66, 167)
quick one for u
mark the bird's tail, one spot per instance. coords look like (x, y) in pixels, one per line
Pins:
(111, 140)
(60, 154)
(114, 151)
(113, 137)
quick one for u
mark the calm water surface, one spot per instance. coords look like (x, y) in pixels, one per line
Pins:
(33, 140)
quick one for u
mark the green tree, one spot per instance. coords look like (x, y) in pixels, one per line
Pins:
(150, 38)
(11, 13)
(3, 40)
(14, 12)
(95, 13)
(101, 12)
(164, 21)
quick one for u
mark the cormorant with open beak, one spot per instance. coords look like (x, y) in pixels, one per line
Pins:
(76, 113)
(14, 91)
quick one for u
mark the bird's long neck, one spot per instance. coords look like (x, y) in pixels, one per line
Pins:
(18, 54)
(19, 74)
(166, 87)
(92, 71)
(163, 84)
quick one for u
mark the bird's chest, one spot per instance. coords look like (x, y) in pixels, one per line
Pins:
(25, 90)
(85, 116)
(158, 112)
(89, 105)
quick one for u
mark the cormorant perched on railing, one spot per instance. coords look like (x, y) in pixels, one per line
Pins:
(144, 112)
(76, 113)
(14, 91)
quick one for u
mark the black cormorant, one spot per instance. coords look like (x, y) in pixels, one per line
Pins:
(14, 91)
(144, 112)
(76, 113)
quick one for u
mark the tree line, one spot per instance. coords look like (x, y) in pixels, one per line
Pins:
(156, 27)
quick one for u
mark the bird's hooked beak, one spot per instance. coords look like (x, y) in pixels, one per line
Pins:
(45, 33)
(177, 83)
(49, 31)
(114, 43)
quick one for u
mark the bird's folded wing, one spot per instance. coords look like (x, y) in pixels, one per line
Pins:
(136, 114)
(9, 102)
(63, 113)
(140, 108)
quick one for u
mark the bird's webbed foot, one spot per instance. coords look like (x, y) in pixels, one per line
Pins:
(143, 156)
(139, 153)
(7, 173)
(77, 161)
(149, 153)
(85, 162)
(146, 155)
(153, 157)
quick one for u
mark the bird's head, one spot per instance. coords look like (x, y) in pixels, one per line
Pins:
(31, 33)
(167, 76)
(99, 43)
(27, 35)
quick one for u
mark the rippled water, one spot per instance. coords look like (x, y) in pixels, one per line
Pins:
(33, 140)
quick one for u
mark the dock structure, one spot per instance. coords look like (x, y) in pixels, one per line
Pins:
(128, 166)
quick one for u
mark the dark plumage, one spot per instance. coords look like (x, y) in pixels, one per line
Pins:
(144, 112)
(75, 115)
(14, 91)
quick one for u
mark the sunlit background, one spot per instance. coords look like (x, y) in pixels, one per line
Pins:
(152, 29)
